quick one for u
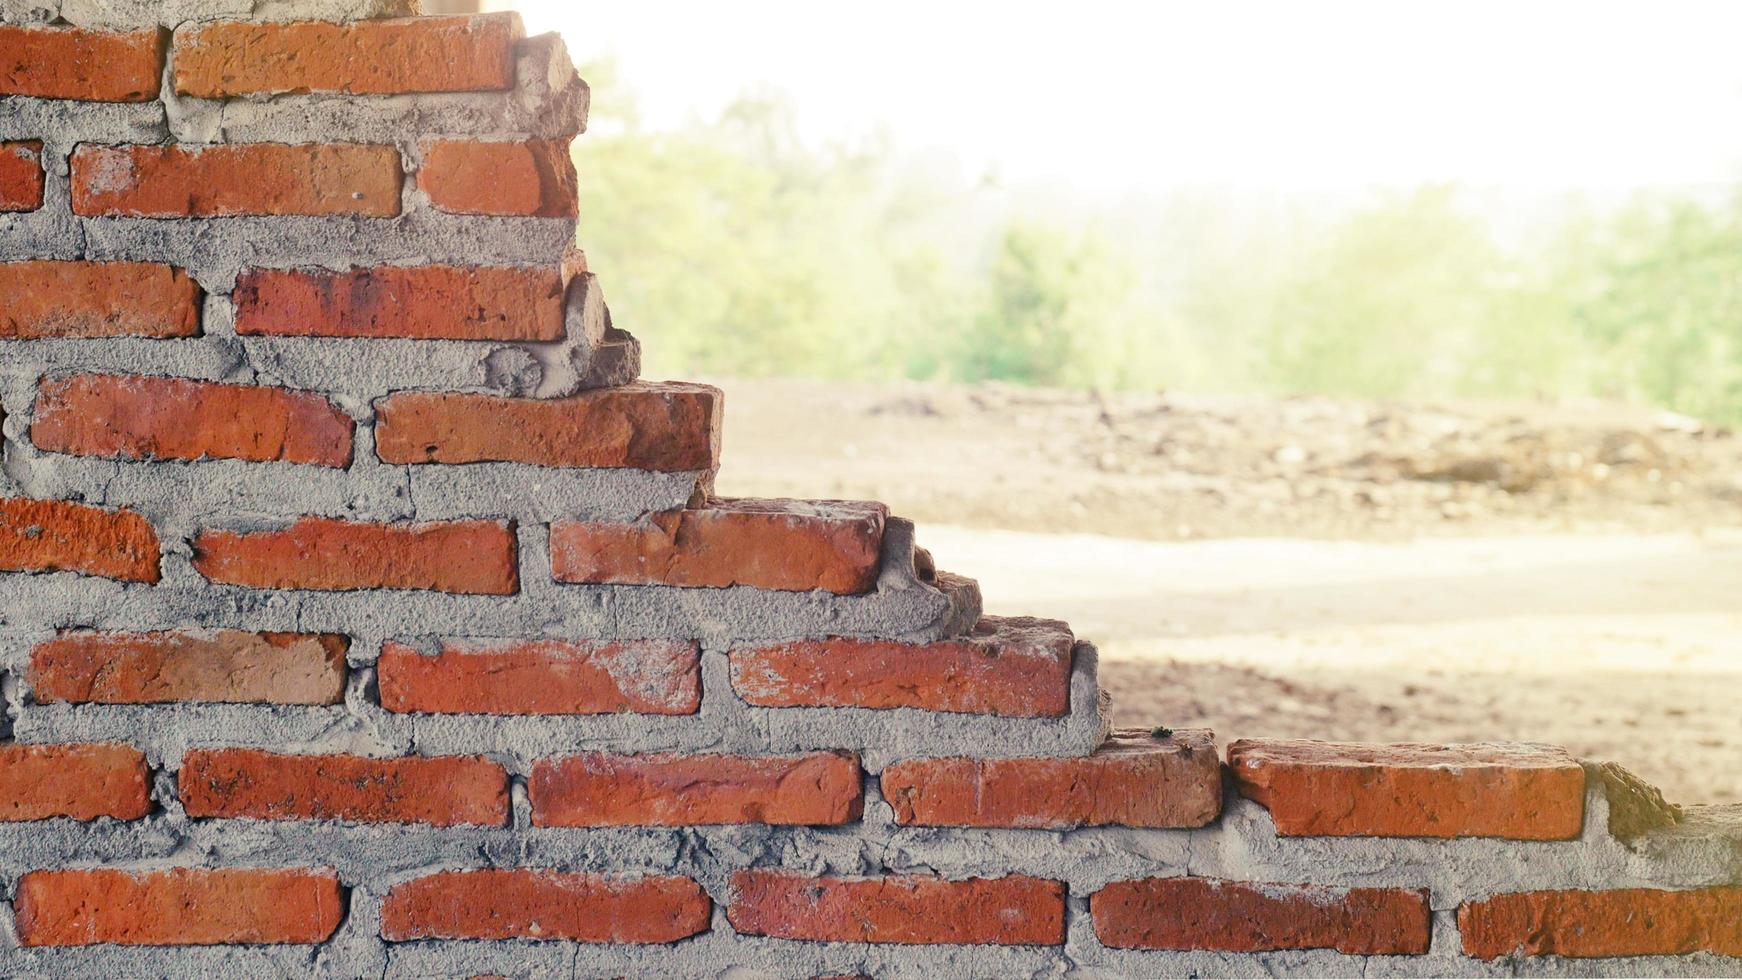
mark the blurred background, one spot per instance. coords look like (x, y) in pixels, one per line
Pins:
(1343, 370)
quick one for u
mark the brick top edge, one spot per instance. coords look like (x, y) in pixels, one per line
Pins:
(175, 13)
(1399, 755)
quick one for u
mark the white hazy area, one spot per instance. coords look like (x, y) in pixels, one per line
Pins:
(1108, 98)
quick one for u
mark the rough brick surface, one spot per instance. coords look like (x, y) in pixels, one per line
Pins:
(83, 782)
(1015, 910)
(1135, 780)
(646, 426)
(96, 299)
(543, 677)
(179, 181)
(434, 302)
(473, 557)
(70, 63)
(178, 907)
(445, 792)
(1518, 791)
(1204, 913)
(599, 790)
(1624, 922)
(57, 536)
(21, 175)
(1014, 667)
(134, 417)
(382, 57)
(788, 545)
(534, 904)
(529, 179)
(225, 665)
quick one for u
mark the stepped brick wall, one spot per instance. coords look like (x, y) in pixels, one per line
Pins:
(363, 614)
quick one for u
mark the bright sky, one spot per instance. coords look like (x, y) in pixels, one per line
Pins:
(1109, 96)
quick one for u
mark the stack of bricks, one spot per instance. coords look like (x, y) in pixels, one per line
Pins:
(361, 614)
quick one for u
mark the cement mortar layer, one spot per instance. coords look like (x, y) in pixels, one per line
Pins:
(1705, 850)
(120, 15)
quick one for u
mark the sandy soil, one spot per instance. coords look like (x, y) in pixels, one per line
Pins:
(1324, 569)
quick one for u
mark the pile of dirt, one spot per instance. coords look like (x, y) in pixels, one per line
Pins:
(1166, 466)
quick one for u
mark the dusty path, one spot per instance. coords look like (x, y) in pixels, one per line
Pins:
(1316, 592)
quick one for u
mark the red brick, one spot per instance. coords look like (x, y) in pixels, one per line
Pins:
(470, 557)
(531, 179)
(664, 426)
(70, 63)
(178, 907)
(445, 791)
(180, 181)
(371, 57)
(1624, 922)
(1018, 668)
(140, 417)
(1013, 911)
(430, 302)
(529, 904)
(544, 677)
(1517, 791)
(1242, 917)
(96, 299)
(226, 665)
(83, 782)
(60, 536)
(789, 545)
(600, 790)
(1134, 780)
(21, 175)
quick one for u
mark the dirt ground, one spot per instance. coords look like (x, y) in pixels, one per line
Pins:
(1323, 568)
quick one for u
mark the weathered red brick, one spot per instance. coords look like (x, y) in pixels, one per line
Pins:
(225, 665)
(533, 904)
(666, 426)
(1519, 791)
(178, 907)
(1016, 910)
(370, 57)
(596, 789)
(471, 557)
(72, 63)
(83, 782)
(143, 417)
(428, 302)
(1244, 917)
(1134, 780)
(96, 299)
(535, 178)
(1623, 922)
(1015, 667)
(544, 677)
(21, 175)
(181, 181)
(445, 791)
(60, 536)
(790, 545)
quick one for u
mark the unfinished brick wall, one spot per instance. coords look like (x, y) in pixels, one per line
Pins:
(361, 614)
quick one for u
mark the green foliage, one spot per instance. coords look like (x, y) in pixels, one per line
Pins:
(731, 246)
